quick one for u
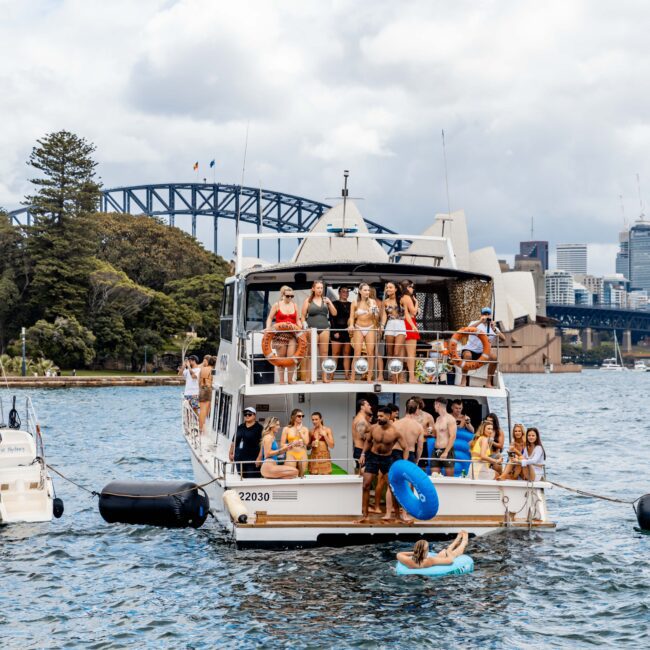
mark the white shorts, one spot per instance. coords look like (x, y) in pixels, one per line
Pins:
(395, 327)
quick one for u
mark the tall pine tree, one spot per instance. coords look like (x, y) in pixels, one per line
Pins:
(62, 240)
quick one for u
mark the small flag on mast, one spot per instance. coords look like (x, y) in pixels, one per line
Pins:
(195, 167)
(212, 163)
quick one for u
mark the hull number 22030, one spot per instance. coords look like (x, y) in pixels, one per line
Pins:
(254, 496)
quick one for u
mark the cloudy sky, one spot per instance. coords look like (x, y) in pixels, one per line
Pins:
(544, 104)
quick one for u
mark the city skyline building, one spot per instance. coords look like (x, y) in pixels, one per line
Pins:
(559, 288)
(572, 258)
(639, 256)
(534, 249)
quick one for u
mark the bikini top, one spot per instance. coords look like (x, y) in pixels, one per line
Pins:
(394, 312)
(281, 317)
(373, 310)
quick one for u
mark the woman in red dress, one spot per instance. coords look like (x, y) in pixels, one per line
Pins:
(410, 306)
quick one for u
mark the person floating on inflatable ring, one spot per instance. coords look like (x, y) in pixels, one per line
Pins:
(474, 348)
(419, 557)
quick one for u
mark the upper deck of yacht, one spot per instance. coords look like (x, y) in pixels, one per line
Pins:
(448, 300)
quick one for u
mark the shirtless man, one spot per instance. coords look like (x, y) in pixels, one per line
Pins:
(426, 420)
(445, 427)
(413, 434)
(360, 428)
(376, 456)
(382, 481)
(462, 421)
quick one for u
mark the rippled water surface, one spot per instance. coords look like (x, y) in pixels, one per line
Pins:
(81, 583)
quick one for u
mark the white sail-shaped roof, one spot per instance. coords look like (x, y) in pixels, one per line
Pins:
(340, 248)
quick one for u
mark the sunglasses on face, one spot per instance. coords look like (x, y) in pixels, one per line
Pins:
(288, 295)
(299, 415)
(249, 415)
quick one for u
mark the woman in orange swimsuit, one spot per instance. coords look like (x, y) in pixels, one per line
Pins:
(364, 318)
(297, 437)
(410, 307)
(285, 311)
(321, 441)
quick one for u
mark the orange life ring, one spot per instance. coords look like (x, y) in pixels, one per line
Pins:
(465, 364)
(271, 355)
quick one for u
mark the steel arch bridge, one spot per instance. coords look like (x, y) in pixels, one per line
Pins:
(600, 318)
(265, 209)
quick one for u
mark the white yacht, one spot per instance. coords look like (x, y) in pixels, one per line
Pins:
(26, 489)
(615, 363)
(326, 509)
(640, 366)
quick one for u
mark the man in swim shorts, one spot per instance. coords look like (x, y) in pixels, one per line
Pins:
(360, 428)
(445, 427)
(376, 456)
(413, 436)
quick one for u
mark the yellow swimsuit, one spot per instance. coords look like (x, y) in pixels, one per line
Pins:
(297, 453)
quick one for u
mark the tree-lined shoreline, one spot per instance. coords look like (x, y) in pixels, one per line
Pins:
(97, 290)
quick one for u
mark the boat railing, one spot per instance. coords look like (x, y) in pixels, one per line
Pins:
(24, 419)
(268, 352)
(469, 468)
(191, 427)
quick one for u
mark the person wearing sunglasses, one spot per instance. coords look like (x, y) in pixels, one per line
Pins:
(245, 447)
(296, 435)
(285, 311)
(410, 307)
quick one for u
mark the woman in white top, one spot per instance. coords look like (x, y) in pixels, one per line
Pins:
(532, 460)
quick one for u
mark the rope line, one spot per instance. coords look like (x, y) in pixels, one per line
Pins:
(131, 496)
(584, 493)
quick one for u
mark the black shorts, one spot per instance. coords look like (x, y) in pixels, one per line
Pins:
(398, 454)
(376, 463)
(356, 454)
(443, 463)
(340, 337)
(475, 355)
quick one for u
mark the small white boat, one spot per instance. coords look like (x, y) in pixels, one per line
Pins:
(614, 363)
(26, 489)
(640, 366)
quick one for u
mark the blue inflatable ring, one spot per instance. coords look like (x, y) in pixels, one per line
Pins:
(461, 564)
(403, 476)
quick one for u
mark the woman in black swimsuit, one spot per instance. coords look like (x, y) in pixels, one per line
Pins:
(340, 337)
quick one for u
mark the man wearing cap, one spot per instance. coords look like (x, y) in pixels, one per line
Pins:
(190, 370)
(245, 448)
(474, 348)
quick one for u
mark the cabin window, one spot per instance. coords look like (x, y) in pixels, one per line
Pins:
(227, 308)
(221, 416)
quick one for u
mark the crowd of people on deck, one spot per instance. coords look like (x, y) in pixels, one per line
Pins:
(380, 438)
(379, 330)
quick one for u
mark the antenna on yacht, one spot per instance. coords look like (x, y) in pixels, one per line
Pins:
(344, 194)
(243, 171)
(444, 155)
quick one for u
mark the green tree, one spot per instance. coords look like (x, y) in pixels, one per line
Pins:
(67, 186)
(63, 239)
(15, 267)
(66, 342)
(151, 253)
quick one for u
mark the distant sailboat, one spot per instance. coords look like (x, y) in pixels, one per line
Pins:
(616, 362)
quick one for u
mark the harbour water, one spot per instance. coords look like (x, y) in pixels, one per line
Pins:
(81, 583)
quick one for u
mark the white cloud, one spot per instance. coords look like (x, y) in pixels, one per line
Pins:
(543, 105)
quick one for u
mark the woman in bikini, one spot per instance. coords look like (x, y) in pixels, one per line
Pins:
(340, 337)
(321, 440)
(364, 316)
(392, 321)
(205, 389)
(410, 306)
(285, 311)
(269, 452)
(513, 469)
(297, 437)
(419, 558)
(316, 312)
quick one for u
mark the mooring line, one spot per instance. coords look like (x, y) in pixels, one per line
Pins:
(130, 496)
(593, 495)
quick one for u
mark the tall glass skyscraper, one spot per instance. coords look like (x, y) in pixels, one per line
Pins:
(639, 256)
